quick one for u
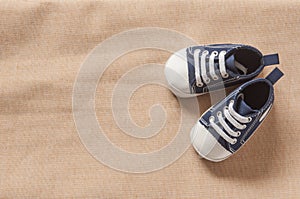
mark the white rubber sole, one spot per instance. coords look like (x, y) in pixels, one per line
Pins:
(176, 73)
(206, 145)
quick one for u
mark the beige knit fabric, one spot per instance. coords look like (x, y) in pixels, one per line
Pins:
(43, 44)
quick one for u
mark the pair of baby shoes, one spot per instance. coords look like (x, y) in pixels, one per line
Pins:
(226, 126)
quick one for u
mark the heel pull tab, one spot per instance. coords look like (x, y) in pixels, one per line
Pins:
(271, 59)
(275, 75)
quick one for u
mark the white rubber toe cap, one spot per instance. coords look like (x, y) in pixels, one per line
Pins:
(176, 72)
(206, 145)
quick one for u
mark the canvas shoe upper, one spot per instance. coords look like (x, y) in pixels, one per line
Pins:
(199, 69)
(227, 125)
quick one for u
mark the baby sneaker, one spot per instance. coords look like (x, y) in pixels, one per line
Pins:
(225, 127)
(200, 69)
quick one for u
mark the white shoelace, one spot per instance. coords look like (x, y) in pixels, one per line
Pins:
(234, 118)
(212, 73)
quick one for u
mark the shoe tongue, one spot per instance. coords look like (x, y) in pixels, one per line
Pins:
(235, 66)
(242, 107)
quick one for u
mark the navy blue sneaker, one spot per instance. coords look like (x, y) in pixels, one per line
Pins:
(199, 69)
(225, 127)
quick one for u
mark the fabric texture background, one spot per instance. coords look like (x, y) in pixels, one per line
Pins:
(42, 45)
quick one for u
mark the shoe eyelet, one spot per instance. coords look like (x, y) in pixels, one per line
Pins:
(205, 52)
(211, 118)
(207, 81)
(225, 75)
(219, 113)
(215, 53)
(226, 108)
(199, 85)
(238, 133)
(249, 119)
(215, 78)
(234, 141)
